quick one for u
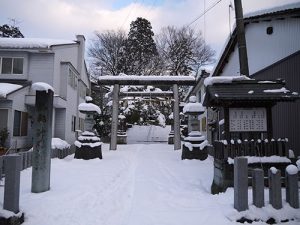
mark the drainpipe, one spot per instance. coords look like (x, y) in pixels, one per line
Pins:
(243, 59)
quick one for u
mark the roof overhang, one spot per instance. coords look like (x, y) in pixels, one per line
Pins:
(248, 93)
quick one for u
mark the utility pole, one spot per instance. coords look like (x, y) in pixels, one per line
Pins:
(243, 58)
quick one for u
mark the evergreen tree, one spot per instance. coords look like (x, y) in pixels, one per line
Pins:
(141, 52)
(8, 31)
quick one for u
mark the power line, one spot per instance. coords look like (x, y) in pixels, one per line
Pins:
(202, 14)
(133, 6)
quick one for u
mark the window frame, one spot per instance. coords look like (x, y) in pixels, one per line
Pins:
(12, 65)
(20, 129)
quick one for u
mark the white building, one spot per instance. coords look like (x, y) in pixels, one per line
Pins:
(59, 63)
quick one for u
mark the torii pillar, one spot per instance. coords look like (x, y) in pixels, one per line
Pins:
(177, 141)
(114, 121)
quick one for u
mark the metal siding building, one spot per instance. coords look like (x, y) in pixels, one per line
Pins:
(286, 118)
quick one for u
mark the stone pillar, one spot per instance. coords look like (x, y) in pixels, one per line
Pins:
(275, 195)
(12, 182)
(291, 184)
(240, 183)
(176, 116)
(258, 188)
(42, 135)
(114, 121)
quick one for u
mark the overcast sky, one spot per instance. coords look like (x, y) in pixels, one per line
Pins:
(63, 19)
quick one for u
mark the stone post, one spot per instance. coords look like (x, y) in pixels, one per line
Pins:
(240, 183)
(258, 188)
(275, 195)
(176, 116)
(42, 135)
(291, 183)
(12, 182)
(114, 121)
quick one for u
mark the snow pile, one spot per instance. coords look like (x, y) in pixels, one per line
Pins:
(121, 116)
(193, 107)
(6, 88)
(161, 119)
(264, 159)
(291, 169)
(88, 138)
(298, 164)
(41, 86)
(89, 107)
(57, 143)
(224, 79)
(31, 42)
(92, 145)
(273, 170)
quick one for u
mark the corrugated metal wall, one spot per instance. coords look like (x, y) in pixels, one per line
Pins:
(286, 116)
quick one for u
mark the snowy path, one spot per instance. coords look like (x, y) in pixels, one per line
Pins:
(138, 184)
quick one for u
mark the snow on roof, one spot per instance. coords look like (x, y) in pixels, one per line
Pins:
(224, 79)
(147, 78)
(6, 88)
(273, 10)
(41, 86)
(32, 43)
(89, 107)
(281, 90)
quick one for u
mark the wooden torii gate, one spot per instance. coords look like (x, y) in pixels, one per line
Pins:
(174, 81)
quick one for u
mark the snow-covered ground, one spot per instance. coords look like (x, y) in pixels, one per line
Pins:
(138, 184)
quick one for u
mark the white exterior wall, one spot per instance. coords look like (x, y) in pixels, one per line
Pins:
(41, 68)
(263, 49)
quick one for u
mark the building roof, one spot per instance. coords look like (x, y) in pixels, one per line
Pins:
(8, 87)
(32, 43)
(281, 12)
(248, 93)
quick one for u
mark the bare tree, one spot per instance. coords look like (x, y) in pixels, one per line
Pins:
(107, 53)
(183, 50)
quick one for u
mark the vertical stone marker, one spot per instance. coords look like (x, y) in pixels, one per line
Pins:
(275, 195)
(240, 184)
(13, 166)
(42, 135)
(291, 183)
(258, 187)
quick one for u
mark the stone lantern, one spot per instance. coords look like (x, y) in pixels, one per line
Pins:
(121, 134)
(171, 134)
(195, 144)
(88, 145)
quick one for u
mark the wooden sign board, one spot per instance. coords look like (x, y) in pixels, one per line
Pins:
(247, 119)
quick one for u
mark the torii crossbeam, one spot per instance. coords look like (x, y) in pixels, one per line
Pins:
(174, 81)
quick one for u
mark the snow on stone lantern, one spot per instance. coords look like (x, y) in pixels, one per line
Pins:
(195, 144)
(88, 145)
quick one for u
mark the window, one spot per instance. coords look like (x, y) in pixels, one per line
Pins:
(73, 80)
(11, 65)
(20, 123)
(81, 124)
(82, 90)
(73, 123)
